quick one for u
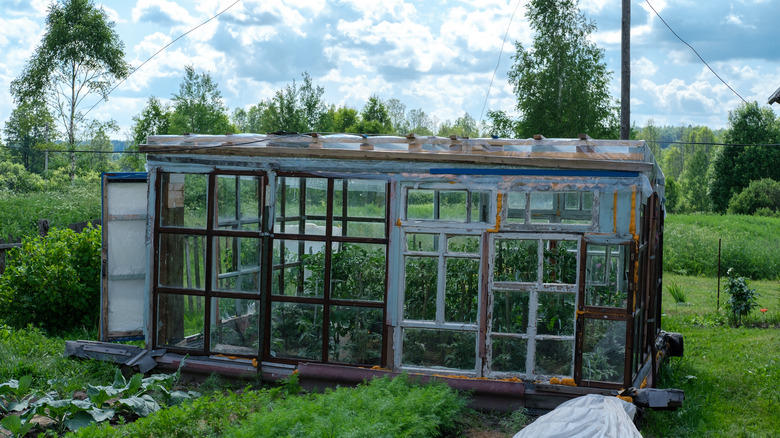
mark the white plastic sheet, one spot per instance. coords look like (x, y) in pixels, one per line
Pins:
(590, 416)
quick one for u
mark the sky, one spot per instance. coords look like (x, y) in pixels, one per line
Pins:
(439, 56)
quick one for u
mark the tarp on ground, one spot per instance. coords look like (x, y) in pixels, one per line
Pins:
(590, 416)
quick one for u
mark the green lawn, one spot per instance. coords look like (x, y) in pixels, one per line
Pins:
(730, 376)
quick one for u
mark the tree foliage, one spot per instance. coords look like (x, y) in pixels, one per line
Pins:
(561, 82)
(748, 155)
(198, 107)
(760, 195)
(80, 55)
(30, 129)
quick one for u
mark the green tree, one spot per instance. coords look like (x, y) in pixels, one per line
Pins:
(562, 82)
(651, 135)
(695, 181)
(397, 112)
(198, 107)
(761, 194)
(155, 119)
(374, 119)
(80, 55)
(420, 123)
(672, 195)
(99, 147)
(464, 126)
(29, 129)
(291, 109)
(747, 156)
(344, 118)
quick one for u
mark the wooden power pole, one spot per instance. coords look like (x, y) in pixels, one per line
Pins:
(625, 72)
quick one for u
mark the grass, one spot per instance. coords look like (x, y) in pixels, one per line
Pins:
(30, 352)
(730, 375)
(749, 245)
(21, 212)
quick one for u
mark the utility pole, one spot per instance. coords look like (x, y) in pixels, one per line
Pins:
(625, 72)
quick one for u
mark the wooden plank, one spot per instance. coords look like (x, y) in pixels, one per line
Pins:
(505, 159)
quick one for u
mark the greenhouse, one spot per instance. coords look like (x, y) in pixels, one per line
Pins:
(529, 262)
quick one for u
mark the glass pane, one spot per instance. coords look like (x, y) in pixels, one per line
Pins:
(542, 211)
(560, 261)
(298, 268)
(238, 264)
(182, 261)
(184, 200)
(373, 229)
(515, 212)
(572, 201)
(541, 201)
(461, 290)
(480, 206)
(555, 314)
(234, 326)
(316, 196)
(422, 242)
(554, 358)
(419, 204)
(516, 260)
(363, 198)
(421, 277)
(509, 354)
(358, 272)
(238, 202)
(288, 198)
(464, 244)
(606, 275)
(296, 330)
(355, 335)
(510, 312)
(439, 348)
(180, 321)
(452, 205)
(604, 350)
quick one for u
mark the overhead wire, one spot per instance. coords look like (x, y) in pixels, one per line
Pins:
(157, 53)
(694, 51)
(500, 52)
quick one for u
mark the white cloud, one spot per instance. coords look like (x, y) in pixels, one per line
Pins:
(642, 67)
(160, 11)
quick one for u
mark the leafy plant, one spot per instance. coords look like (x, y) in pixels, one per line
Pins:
(742, 300)
(677, 293)
(54, 281)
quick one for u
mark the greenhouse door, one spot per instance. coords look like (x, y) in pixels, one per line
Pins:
(531, 305)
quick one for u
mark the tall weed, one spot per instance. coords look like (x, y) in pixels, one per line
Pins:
(749, 245)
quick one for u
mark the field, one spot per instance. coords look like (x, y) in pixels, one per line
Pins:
(730, 375)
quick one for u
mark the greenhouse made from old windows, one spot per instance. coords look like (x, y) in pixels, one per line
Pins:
(524, 262)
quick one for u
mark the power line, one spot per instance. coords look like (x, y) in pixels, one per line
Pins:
(694, 51)
(157, 53)
(487, 95)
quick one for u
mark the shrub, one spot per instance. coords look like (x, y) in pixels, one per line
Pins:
(53, 282)
(763, 194)
(743, 299)
(15, 178)
(677, 292)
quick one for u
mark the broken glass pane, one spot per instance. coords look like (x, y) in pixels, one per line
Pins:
(234, 326)
(180, 321)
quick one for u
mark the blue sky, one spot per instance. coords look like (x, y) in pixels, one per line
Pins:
(435, 55)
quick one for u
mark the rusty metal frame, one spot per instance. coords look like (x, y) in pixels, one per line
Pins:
(209, 233)
(326, 301)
